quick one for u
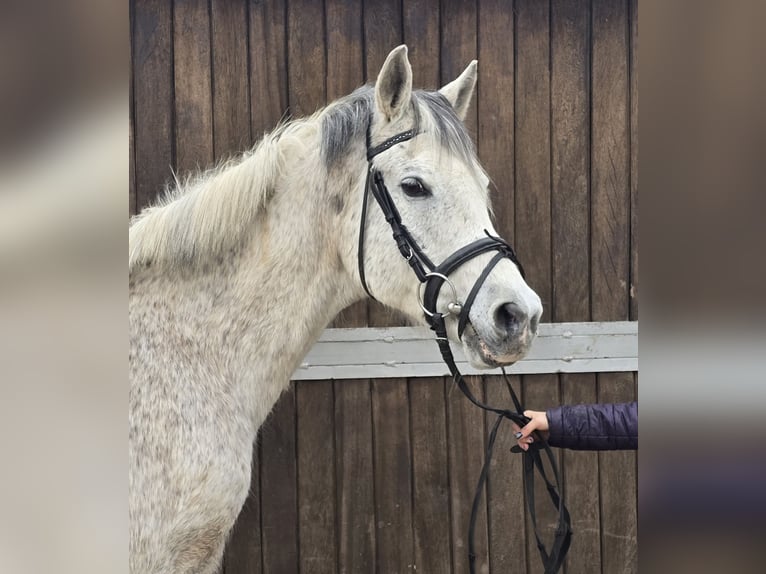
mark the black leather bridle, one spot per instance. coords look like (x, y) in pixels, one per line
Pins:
(434, 277)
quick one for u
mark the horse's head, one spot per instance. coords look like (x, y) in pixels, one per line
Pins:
(441, 193)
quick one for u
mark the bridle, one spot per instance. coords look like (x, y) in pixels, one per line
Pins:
(433, 277)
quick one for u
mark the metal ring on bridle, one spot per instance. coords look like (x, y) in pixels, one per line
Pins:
(454, 307)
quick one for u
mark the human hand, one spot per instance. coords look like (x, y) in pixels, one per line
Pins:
(538, 422)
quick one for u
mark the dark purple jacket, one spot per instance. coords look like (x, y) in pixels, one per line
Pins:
(594, 427)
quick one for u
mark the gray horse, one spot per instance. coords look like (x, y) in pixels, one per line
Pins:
(234, 275)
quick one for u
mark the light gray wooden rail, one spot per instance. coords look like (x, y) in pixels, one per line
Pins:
(411, 352)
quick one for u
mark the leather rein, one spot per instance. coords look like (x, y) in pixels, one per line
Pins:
(433, 277)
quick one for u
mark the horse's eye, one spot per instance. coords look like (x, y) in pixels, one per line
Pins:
(413, 187)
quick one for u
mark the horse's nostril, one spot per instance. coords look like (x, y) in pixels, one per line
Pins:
(508, 317)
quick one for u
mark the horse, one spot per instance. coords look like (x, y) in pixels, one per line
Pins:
(235, 272)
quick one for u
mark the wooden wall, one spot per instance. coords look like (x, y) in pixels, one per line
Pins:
(377, 476)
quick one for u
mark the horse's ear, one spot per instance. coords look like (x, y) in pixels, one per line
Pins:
(459, 91)
(393, 90)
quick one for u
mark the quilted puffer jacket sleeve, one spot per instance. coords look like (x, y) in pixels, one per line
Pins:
(594, 427)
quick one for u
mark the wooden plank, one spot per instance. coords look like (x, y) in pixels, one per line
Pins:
(153, 98)
(465, 438)
(495, 97)
(533, 161)
(458, 47)
(382, 33)
(566, 329)
(618, 487)
(570, 207)
(634, 160)
(306, 54)
(430, 475)
(315, 413)
(392, 470)
(397, 372)
(279, 505)
(268, 65)
(610, 186)
(384, 353)
(354, 464)
(570, 203)
(421, 34)
(410, 351)
(193, 92)
(131, 140)
(505, 489)
(243, 553)
(231, 91)
(610, 225)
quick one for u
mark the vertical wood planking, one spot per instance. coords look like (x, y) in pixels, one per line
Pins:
(231, 92)
(495, 99)
(315, 412)
(610, 224)
(131, 138)
(618, 487)
(422, 35)
(382, 33)
(505, 489)
(465, 439)
(243, 553)
(279, 506)
(570, 208)
(355, 479)
(153, 98)
(610, 190)
(459, 47)
(430, 476)
(633, 160)
(392, 469)
(193, 94)
(268, 65)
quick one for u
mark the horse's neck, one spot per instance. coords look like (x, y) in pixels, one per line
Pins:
(261, 308)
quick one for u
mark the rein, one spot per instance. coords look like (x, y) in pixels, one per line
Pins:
(433, 277)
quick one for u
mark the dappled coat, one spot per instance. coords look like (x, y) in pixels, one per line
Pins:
(594, 427)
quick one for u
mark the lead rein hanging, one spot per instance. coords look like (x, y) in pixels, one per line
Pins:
(434, 277)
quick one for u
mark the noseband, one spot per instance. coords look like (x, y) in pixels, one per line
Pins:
(432, 278)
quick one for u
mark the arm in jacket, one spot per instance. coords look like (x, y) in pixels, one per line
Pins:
(594, 427)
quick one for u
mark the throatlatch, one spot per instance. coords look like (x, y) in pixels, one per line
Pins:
(434, 277)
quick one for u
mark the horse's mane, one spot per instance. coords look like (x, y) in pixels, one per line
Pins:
(211, 212)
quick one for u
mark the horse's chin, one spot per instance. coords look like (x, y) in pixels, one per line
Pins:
(482, 356)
